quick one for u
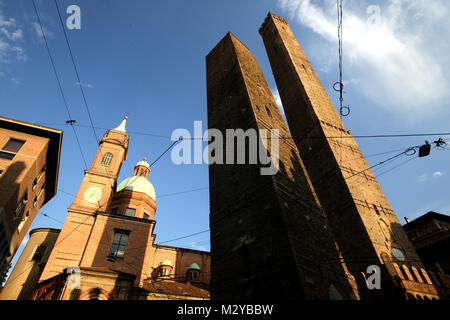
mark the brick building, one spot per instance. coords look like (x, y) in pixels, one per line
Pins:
(430, 235)
(323, 214)
(106, 248)
(30, 264)
(269, 235)
(29, 166)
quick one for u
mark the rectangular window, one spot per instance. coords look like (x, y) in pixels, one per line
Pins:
(21, 207)
(39, 253)
(20, 210)
(11, 148)
(146, 216)
(114, 210)
(119, 243)
(13, 145)
(130, 212)
(3, 242)
(106, 160)
(6, 155)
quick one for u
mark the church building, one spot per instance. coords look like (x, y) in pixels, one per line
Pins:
(106, 247)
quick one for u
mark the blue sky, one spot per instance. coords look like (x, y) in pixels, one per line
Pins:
(147, 59)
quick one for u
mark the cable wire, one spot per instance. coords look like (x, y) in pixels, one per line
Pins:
(58, 80)
(385, 161)
(76, 70)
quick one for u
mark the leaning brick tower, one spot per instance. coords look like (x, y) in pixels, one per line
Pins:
(366, 228)
(269, 236)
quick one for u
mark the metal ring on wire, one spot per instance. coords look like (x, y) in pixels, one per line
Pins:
(341, 87)
(347, 111)
(408, 151)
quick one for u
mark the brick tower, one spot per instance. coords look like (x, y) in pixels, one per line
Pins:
(269, 235)
(363, 222)
(94, 195)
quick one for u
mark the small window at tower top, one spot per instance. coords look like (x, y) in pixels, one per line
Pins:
(130, 212)
(106, 161)
(268, 111)
(39, 253)
(376, 209)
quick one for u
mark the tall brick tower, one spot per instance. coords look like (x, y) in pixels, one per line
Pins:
(269, 235)
(94, 195)
(363, 222)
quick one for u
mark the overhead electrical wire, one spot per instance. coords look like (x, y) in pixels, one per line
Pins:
(384, 161)
(395, 167)
(76, 70)
(80, 84)
(59, 82)
(401, 135)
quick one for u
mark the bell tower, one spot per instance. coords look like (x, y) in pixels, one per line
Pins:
(101, 178)
(95, 194)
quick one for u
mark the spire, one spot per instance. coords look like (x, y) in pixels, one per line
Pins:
(121, 126)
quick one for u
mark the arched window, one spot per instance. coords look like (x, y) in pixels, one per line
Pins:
(106, 161)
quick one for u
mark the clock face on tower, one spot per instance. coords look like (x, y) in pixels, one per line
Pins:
(92, 194)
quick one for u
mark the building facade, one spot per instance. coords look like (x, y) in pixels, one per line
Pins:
(29, 266)
(106, 249)
(430, 235)
(29, 166)
(322, 214)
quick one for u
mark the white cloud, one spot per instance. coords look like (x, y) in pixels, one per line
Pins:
(437, 174)
(10, 34)
(400, 57)
(37, 29)
(427, 177)
(87, 85)
(13, 36)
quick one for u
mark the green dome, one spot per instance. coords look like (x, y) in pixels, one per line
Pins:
(194, 266)
(139, 184)
(166, 263)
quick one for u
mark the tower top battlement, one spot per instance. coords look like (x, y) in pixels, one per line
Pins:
(270, 15)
